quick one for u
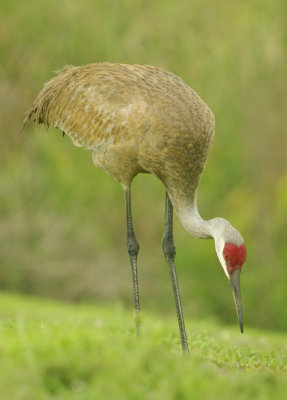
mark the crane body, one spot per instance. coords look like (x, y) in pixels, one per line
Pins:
(142, 119)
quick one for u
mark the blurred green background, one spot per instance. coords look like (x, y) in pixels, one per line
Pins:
(62, 230)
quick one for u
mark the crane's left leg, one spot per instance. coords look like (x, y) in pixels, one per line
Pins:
(169, 252)
(133, 249)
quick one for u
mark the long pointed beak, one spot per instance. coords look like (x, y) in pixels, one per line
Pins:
(235, 285)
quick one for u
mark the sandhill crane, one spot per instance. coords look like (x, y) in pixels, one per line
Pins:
(139, 118)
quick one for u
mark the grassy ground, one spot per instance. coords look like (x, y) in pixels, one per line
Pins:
(50, 350)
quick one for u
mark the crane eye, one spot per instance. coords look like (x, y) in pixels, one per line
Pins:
(226, 257)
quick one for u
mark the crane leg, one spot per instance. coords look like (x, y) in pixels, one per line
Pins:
(169, 252)
(133, 249)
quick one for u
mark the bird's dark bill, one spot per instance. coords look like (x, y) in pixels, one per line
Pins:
(235, 285)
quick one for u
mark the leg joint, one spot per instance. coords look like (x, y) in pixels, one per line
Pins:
(133, 246)
(168, 248)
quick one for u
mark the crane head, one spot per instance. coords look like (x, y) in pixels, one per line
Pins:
(234, 257)
(231, 251)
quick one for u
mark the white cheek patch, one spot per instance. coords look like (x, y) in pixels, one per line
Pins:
(219, 246)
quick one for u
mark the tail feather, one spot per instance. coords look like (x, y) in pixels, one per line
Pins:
(40, 111)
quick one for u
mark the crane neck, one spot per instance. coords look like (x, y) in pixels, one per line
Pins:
(194, 224)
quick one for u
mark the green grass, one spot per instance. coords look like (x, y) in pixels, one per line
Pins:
(50, 350)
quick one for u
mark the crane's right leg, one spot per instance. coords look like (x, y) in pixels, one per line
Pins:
(133, 249)
(169, 252)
